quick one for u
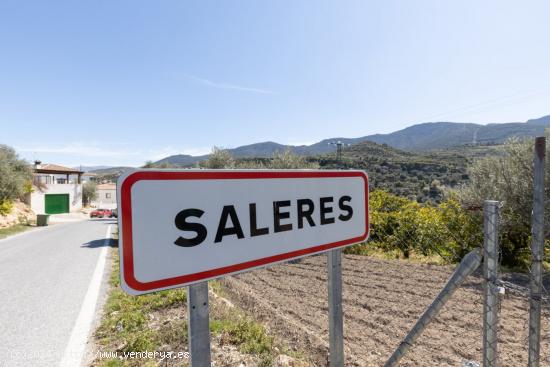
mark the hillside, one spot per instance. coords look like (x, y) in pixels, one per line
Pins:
(438, 135)
(419, 137)
(111, 170)
(418, 176)
(181, 160)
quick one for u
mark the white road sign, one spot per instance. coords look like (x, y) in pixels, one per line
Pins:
(182, 227)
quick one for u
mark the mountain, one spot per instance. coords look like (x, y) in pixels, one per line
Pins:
(419, 137)
(263, 150)
(437, 135)
(90, 168)
(540, 121)
(117, 171)
(181, 160)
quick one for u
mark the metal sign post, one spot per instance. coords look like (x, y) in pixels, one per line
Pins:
(335, 316)
(199, 328)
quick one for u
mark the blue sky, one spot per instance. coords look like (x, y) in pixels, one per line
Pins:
(118, 82)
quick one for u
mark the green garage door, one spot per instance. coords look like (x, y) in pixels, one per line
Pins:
(57, 203)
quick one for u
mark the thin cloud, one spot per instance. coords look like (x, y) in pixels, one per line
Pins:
(218, 85)
(75, 154)
(81, 150)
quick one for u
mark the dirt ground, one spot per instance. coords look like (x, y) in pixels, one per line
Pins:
(382, 300)
(20, 213)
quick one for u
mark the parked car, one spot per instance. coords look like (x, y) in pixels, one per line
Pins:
(101, 213)
(114, 213)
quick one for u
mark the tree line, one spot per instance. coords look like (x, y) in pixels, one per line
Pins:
(449, 227)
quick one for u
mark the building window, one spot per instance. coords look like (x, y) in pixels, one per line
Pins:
(42, 179)
(107, 195)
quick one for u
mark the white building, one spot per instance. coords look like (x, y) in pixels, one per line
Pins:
(106, 196)
(56, 189)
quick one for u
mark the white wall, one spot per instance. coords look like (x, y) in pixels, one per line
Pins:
(104, 202)
(74, 191)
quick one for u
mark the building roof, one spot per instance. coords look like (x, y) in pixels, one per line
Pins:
(54, 168)
(107, 186)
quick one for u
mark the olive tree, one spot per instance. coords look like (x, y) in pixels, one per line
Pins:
(89, 192)
(288, 160)
(218, 159)
(151, 164)
(15, 177)
(222, 158)
(508, 178)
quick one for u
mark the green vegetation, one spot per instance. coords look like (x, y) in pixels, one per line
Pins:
(248, 335)
(89, 192)
(126, 320)
(289, 160)
(422, 177)
(155, 322)
(6, 206)
(17, 228)
(428, 203)
(15, 175)
(151, 164)
(508, 178)
(222, 159)
(110, 174)
(402, 226)
(448, 223)
(219, 158)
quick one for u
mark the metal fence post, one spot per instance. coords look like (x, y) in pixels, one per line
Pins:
(490, 273)
(335, 317)
(467, 266)
(537, 251)
(199, 332)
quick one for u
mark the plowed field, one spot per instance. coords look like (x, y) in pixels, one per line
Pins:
(382, 300)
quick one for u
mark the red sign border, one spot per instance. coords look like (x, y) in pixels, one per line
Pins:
(127, 236)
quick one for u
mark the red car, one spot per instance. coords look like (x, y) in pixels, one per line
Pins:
(101, 213)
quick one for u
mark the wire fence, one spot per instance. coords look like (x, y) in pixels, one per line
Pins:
(516, 307)
(488, 321)
(454, 336)
(541, 357)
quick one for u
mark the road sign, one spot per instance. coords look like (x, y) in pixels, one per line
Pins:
(182, 227)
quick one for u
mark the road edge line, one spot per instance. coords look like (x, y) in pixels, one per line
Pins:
(74, 352)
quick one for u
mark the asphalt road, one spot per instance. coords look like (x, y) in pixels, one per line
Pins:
(45, 276)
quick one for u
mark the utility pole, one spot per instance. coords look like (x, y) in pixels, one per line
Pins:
(339, 147)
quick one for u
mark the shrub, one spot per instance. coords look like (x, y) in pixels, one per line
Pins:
(289, 160)
(218, 159)
(6, 207)
(508, 178)
(15, 174)
(398, 223)
(89, 192)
